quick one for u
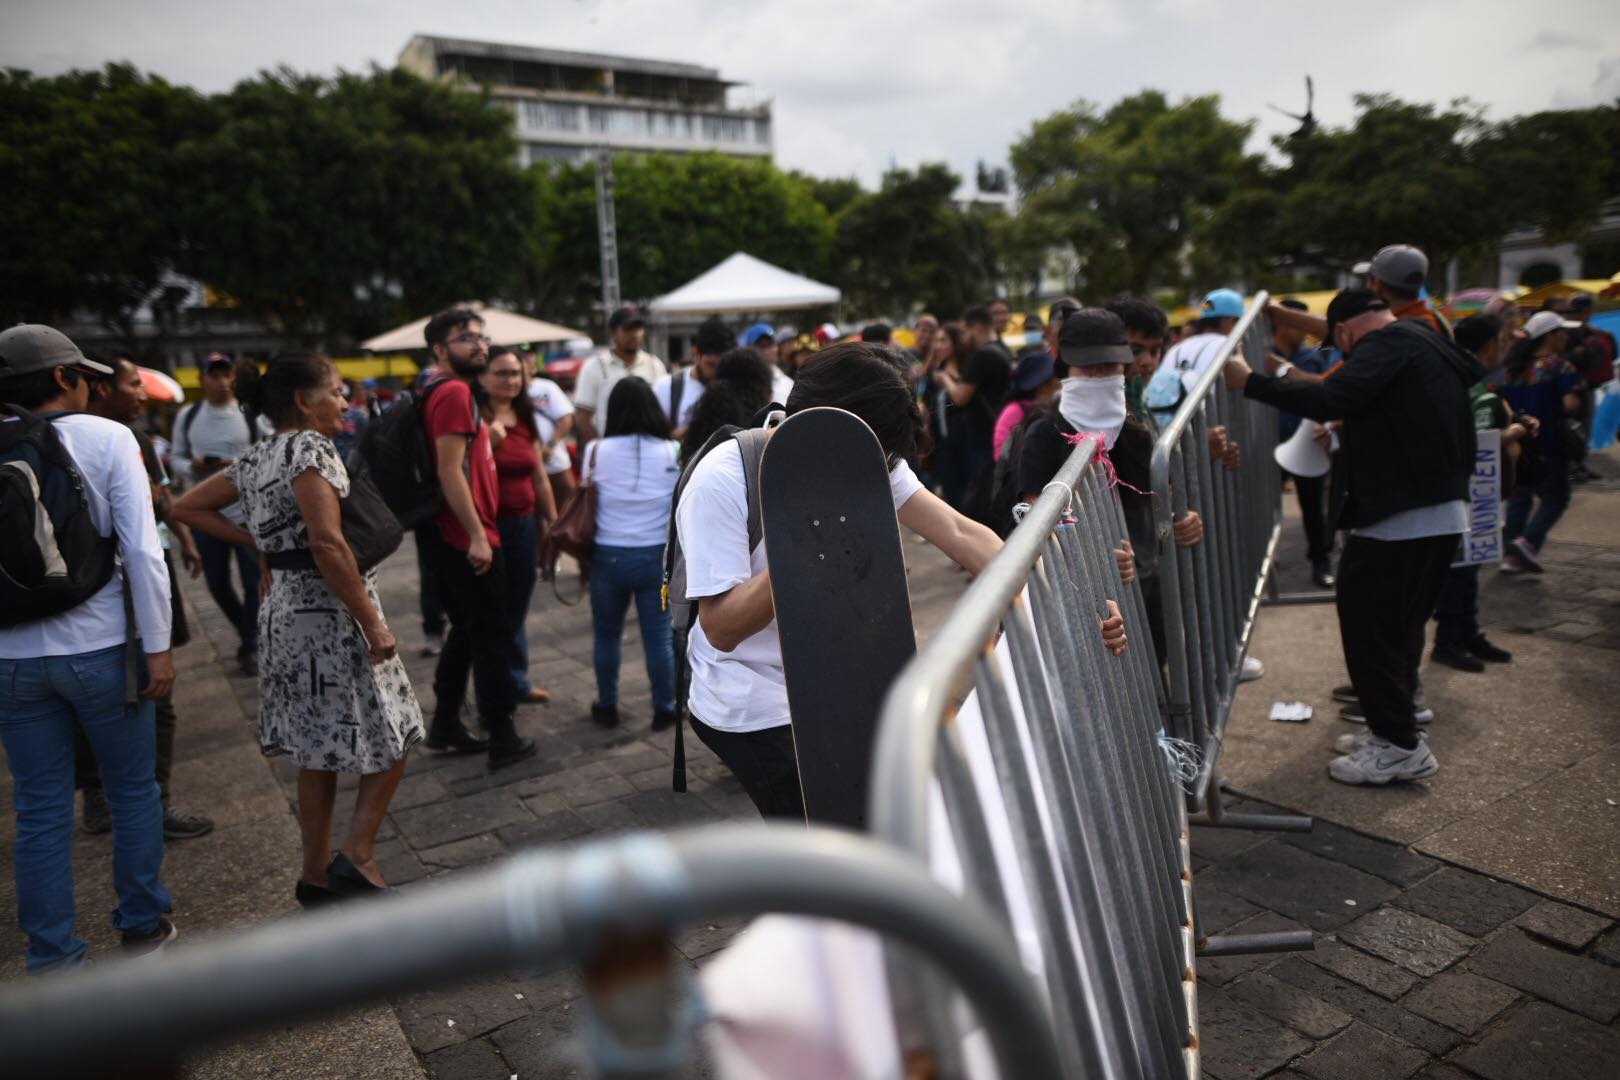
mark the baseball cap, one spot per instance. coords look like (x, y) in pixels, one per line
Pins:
(827, 333)
(1580, 301)
(758, 332)
(1034, 369)
(786, 334)
(1222, 304)
(1400, 265)
(1543, 323)
(30, 347)
(214, 360)
(1093, 336)
(625, 316)
(1348, 304)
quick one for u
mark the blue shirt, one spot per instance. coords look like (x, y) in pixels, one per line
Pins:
(1306, 358)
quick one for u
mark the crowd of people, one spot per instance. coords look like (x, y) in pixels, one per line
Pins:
(658, 467)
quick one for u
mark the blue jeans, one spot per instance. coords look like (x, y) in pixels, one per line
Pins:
(519, 542)
(40, 701)
(216, 559)
(1554, 496)
(617, 574)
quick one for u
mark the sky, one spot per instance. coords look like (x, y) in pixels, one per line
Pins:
(860, 85)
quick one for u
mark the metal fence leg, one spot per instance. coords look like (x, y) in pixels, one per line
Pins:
(1216, 816)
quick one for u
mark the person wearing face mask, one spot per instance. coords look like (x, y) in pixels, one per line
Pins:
(1034, 337)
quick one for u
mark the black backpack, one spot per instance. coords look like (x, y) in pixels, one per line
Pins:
(683, 612)
(393, 453)
(52, 559)
(1004, 493)
(369, 526)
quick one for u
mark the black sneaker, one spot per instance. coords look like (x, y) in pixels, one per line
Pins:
(604, 715)
(663, 720)
(247, 662)
(1483, 649)
(1455, 657)
(1346, 695)
(153, 941)
(97, 819)
(457, 740)
(1323, 576)
(521, 748)
(178, 826)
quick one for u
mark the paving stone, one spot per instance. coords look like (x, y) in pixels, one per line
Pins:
(638, 757)
(1220, 970)
(1366, 1006)
(1394, 863)
(1219, 909)
(544, 831)
(1237, 1040)
(1360, 1052)
(457, 819)
(1545, 1043)
(399, 864)
(546, 1045)
(1302, 886)
(1461, 1000)
(703, 939)
(1589, 988)
(583, 785)
(475, 1060)
(1418, 944)
(610, 817)
(476, 1008)
(1308, 1015)
(1466, 901)
(1442, 1071)
(1563, 925)
(1608, 947)
(1383, 978)
(1218, 845)
(666, 809)
(472, 851)
(417, 789)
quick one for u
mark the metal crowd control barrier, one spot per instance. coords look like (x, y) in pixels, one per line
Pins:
(540, 910)
(1211, 592)
(1097, 832)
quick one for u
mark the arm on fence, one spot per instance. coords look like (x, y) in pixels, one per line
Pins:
(968, 543)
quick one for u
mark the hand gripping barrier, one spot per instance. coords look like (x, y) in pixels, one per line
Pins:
(1059, 811)
(1210, 592)
(539, 910)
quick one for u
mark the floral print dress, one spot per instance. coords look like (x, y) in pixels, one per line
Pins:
(321, 698)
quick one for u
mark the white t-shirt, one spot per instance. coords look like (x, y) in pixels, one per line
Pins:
(119, 496)
(691, 394)
(602, 372)
(781, 386)
(635, 479)
(1189, 358)
(740, 690)
(550, 406)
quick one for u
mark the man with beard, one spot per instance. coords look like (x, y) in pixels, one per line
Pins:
(460, 549)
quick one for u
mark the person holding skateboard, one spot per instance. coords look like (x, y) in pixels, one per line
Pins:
(738, 697)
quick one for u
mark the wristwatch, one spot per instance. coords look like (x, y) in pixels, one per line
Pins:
(1283, 369)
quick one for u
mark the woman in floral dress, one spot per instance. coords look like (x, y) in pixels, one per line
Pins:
(333, 694)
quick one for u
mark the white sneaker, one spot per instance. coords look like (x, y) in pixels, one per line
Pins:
(1349, 744)
(1379, 762)
(1527, 553)
(1252, 670)
(1353, 714)
(1511, 564)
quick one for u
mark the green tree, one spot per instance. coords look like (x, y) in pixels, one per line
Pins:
(1128, 187)
(335, 207)
(93, 190)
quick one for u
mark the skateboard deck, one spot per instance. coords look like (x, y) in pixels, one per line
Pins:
(843, 613)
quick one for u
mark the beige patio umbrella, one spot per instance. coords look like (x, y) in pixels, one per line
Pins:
(500, 326)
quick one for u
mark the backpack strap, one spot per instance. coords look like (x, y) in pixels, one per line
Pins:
(751, 444)
(677, 391)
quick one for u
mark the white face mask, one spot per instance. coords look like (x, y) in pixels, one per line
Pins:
(1096, 406)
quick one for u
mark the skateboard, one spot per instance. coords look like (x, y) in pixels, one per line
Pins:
(843, 613)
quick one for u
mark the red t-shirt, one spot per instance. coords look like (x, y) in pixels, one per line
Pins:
(450, 411)
(515, 464)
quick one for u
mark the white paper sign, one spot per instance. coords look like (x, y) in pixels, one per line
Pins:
(1482, 543)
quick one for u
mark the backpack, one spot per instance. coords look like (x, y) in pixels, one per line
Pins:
(1004, 493)
(677, 391)
(52, 559)
(393, 452)
(683, 612)
(191, 419)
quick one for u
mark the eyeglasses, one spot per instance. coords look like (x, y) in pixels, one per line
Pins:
(470, 339)
(506, 374)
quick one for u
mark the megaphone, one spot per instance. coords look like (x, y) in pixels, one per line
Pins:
(1302, 455)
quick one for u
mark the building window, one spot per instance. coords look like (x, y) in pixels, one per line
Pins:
(762, 132)
(725, 129)
(542, 152)
(549, 116)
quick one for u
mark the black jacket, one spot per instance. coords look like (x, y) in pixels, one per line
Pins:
(1408, 438)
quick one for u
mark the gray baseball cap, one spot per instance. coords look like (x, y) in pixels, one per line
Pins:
(1400, 265)
(30, 347)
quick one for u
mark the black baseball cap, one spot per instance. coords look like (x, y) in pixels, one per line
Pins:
(30, 347)
(1092, 336)
(216, 360)
(626, 316)
(1347, 305)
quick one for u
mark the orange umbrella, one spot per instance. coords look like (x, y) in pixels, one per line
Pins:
(160, 387)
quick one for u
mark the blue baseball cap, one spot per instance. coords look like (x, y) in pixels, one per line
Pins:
(1222, 304)
(757, 332)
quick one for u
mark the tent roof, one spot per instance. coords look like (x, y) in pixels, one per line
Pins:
(500, 326)
(744, 283)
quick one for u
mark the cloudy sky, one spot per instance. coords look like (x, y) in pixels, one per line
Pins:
(858, 84)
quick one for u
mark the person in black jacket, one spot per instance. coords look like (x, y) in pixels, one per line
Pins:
(1406, 453)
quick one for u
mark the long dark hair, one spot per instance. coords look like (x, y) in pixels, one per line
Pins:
(273, 393)
(522, 404)
(860, 378)
(740, 388)
(633, 409)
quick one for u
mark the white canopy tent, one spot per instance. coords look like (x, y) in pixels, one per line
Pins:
(744, 283)
(500, 326)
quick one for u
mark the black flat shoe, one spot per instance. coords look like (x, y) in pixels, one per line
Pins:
(1461, 659)
(1482, 648)
(521, 748)
(458, 741)
(604, 715)
(1323, 576)
(313, 896)
(663, 720)
(345, 879)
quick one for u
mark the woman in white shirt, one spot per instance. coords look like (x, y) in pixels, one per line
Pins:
(634, 466)
(738, 701)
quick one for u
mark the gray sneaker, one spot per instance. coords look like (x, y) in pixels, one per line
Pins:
(1378, 762)
(1349, 744)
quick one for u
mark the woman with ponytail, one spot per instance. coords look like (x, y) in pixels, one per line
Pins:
(333, 694)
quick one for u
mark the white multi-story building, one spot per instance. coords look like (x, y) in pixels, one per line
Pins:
(566, 104)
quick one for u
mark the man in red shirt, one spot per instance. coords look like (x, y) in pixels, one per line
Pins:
(461, 549)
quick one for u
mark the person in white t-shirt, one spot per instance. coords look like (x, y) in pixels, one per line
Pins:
(634, 467)
(554, 419)
(738, 700)
(627, 331)
(678, 394)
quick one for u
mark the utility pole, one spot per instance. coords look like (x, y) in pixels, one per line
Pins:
(607, 235)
